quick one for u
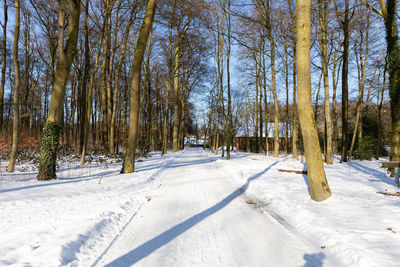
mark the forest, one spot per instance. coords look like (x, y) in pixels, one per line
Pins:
(126, 77)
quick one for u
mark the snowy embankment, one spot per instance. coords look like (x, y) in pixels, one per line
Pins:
(357, 224)
(48, 223)
(75, 219)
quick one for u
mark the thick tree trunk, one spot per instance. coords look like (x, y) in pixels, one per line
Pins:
(318, 185)
(129, 161)
(394, 76)
(14, 147)
(51, 131)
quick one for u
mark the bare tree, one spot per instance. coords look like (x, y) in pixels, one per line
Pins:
(388, 11)
(17, 81)
(51, 131)
(129, 161)
(318, 185)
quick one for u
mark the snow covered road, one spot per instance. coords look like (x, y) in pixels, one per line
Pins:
(200, 218)
(194, 208)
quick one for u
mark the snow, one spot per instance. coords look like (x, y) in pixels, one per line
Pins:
(195, 208)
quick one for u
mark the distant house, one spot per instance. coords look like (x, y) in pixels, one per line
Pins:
(246, 139)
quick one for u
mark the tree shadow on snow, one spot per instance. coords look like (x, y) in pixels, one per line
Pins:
(59, 181)
(379, 174)
(314, 260)
(162, 239)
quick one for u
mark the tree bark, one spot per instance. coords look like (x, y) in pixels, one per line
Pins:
(394, 76)
(4, 64)
(14, 147)
(51, 131)
(83, 93)
(175, 134)
(273, 81)
(129, 161)
(389, 14)
(345, 24)
(228, 74)
(318, 185)
(294, 104)
(323, 19)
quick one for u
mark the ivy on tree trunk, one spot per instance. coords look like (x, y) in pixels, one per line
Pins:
(48, 151)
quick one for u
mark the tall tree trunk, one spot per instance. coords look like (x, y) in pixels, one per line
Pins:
(257, 106)
(394, 76)
(228, 77)
(361, 68)
(51, 131)
(208, 130)
(335, 80)
(323, 20)
(129, 161)
(4, 64)
(168, 93)
(318, 185)
(110, 94)
(103, 83)
(345, 24)
(89, 111)
(287, 98)
(24, 120)
(294, 104)
(264, 72)
(273, 80)
(182, 122)
(83, 92)
(14, 147)
(165, 124)
(117, 83)
(294, 108)
(389, 14)
(147, 94)
(175, 135)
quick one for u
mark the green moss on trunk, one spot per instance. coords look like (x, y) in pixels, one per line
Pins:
(48, 152)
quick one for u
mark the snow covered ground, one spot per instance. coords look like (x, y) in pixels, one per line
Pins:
(194, 208)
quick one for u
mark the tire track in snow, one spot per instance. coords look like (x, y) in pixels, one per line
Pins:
(264, 207)
(141, 185)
